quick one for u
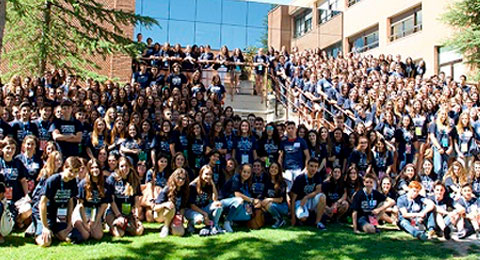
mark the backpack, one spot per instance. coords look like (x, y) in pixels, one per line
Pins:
(6, 220)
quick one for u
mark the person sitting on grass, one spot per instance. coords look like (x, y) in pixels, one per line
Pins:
(171, 203)
(334, 189)
(93, 198)
(237, 198)
(445, 214)
(368, 206)
(414, 210)
(124, 185)
(204, 202)
(468, 207)
(57, 203)
(307, 196)
(276, 195)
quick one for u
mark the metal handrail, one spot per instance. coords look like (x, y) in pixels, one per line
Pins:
(334, 103)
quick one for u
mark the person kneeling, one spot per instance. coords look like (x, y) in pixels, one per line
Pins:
(57, 201)
(306, 195)
(368, 206)
(124, 185)
(171, 203)
(414, 211)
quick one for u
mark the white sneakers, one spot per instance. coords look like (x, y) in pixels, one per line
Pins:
(164, 232)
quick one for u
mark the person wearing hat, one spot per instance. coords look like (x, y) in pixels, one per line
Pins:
(67, 131)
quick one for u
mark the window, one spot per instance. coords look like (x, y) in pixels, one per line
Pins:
(333, 50)
(406, 24)
(327, 10)
(364, 41)
(352, 2)
(450, 63)
(303, 23)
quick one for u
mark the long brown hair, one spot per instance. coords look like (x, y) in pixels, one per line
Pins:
(49, 167)
(200, 182)
(132, 178)
(172, 185)
(88, 181)
(277, 179)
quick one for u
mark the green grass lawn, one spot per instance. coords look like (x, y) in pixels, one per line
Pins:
(338, 242)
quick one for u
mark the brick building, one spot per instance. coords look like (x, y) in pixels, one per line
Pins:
(411, 28)
(113, 66)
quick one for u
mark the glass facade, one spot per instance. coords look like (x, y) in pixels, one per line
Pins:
(235, 23)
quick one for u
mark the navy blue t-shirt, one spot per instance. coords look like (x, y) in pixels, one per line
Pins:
(293, 153)
(244, 147)
(71, 127)
(58, 194)
(11, 173)
(364, 204)
(96, 201)
(302, 185)
(163, 197)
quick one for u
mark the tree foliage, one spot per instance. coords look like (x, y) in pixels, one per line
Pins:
(464, 16)
(70, 34)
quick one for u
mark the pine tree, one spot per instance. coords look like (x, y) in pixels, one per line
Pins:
(464, 16)
(66, 34)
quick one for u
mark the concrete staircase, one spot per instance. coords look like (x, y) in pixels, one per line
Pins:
(245, 103)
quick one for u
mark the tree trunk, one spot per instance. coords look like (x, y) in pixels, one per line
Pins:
(3, 19)
(45, 34)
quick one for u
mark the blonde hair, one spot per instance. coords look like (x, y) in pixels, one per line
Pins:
(460, 126)
(95, 133)
(462, 177)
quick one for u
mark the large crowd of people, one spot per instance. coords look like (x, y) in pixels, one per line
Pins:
(380, 143)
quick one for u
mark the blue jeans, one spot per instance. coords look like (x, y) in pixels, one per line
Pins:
(213, 212)
(407, 226)
(278, 210)
(236, 209)
(440, 163)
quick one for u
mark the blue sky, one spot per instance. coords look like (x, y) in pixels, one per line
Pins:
(234, 23)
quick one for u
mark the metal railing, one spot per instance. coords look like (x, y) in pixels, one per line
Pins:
(401, 34)
(303, 117)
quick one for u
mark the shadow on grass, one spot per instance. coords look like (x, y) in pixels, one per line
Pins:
(336, 243)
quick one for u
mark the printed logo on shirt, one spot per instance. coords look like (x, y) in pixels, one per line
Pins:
(67, 129)
(119, 189)
(62, 196)
(11, 174)
(309, 188)
(368, 205)
(201, 199)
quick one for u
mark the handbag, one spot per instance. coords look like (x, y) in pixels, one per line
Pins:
(6, 220)
(258, 219)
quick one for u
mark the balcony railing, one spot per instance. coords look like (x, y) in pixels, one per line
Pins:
(352, 2)
(366, 47)
(401, 34)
